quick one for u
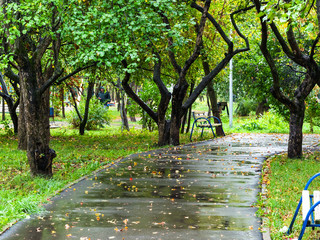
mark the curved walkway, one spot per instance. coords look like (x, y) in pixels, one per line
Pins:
(198, 191)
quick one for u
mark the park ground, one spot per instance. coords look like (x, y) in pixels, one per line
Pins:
(78, 156)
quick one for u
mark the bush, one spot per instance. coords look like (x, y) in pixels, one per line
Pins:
(98, 115)
(312, 112)
(270, 122)
(245, 107)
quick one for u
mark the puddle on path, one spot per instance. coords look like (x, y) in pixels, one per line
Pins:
(202, 191)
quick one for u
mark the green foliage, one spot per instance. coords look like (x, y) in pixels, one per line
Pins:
(312, 114)
(7, 127)
(270, 122)
(109, 32)
(245, 106)
(149, 93)
(98, 115)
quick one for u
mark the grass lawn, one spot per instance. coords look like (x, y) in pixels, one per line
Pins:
(285, 179)
(78, 156)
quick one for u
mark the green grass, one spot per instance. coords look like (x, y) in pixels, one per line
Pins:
(22, 195)
(285, 179)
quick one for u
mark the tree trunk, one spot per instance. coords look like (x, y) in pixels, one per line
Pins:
(184, 120)
(213, 98)
(14, 117)
(22, 130)
(187, 116)
(178, 95)
(123, 113)
(3, 110)
(261, 108)
(189, 119)
(164, 133)
(84, 120)
(295, 135)
(62, 102)
(36, 116)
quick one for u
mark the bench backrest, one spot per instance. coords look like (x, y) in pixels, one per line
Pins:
(197, 114)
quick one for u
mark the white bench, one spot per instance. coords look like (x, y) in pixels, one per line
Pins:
(309, 201)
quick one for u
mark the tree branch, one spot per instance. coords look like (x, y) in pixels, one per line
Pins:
(197, 47)
(315, 42)
(41, 48)
(237, 29)
(205, 81)
(275, 90)
(172, 57)
(215, 24)
(134, 96)
(58, 73)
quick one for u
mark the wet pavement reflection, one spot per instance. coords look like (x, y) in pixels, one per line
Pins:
(201, 191)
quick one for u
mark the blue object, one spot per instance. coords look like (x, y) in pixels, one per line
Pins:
(51, 112)
(310, 212)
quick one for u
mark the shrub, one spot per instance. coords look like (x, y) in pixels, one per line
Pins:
(98, 115)
(245, 107)
(270, 122)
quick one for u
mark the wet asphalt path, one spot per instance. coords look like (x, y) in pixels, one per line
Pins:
(201, 191)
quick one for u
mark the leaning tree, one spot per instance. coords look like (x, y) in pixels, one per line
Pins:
(294, 25)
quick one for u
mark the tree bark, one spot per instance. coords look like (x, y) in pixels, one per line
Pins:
(22, 130)
(296, 135)
(178, 95)
(36, 116)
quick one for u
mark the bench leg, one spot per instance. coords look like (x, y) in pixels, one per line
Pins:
(305, 222)
(294, 216)
(191, 131)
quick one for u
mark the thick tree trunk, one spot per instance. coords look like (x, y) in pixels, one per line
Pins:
(295, 135)
(164, 133)
(36, 116)
(178, 95)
